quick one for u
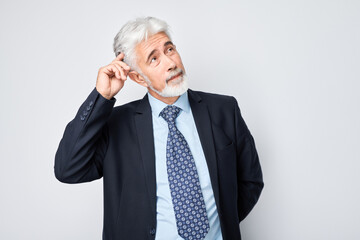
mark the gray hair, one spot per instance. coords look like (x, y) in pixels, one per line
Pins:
(134, 32)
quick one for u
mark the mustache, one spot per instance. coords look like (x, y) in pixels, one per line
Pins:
(174, 73)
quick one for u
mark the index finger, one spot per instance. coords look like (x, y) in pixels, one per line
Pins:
(120, 57)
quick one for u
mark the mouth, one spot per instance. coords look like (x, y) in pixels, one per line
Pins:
(174, 77)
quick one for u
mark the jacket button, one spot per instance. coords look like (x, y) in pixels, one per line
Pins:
(152, 231)
(91, 103)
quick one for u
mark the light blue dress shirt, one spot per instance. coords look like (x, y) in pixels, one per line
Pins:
(166, 223)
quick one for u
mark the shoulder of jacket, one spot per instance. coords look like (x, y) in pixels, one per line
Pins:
(130, 106)
(214, 97)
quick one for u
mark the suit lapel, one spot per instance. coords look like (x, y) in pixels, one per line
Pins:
(144, 128)
(203, 124)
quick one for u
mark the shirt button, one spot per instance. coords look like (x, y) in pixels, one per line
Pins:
(152, 231)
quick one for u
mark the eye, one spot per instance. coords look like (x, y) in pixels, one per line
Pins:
(153, 59)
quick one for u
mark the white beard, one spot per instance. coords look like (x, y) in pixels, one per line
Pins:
(175, 88)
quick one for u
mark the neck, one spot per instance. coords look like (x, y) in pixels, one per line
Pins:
(167, 100)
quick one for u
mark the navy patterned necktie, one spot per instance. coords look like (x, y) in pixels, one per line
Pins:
(189, 206)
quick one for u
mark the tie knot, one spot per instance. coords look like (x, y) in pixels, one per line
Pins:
(170, 113)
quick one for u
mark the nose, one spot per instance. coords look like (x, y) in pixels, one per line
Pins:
(170, 63)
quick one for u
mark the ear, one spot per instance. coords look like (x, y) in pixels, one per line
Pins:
(136, 77)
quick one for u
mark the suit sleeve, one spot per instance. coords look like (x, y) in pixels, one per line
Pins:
(250, 180)
(79, 157)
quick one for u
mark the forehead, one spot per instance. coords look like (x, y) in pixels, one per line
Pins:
(154, 42)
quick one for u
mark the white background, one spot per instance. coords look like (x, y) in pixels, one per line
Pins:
(292, 65)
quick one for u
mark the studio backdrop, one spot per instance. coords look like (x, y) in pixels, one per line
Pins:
(293, 67)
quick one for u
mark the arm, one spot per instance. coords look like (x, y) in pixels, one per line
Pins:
(81, 150)
(250, 181)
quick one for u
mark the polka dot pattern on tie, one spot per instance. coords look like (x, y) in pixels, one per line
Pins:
(189, 206)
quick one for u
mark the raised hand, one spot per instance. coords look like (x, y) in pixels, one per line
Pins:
(111, 78)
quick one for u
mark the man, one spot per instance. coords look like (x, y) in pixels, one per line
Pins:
(178, 164)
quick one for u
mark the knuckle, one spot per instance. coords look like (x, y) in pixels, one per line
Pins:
(101, 70)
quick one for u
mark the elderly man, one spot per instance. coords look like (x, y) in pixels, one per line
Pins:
(177, 164)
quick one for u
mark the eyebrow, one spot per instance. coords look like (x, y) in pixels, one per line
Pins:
(153, 51)
(168, 43)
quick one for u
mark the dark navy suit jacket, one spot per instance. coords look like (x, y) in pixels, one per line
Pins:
(118, 145)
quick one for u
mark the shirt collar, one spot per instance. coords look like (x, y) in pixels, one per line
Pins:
(157, 106)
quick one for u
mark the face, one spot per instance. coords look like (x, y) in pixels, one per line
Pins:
(161, 67)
